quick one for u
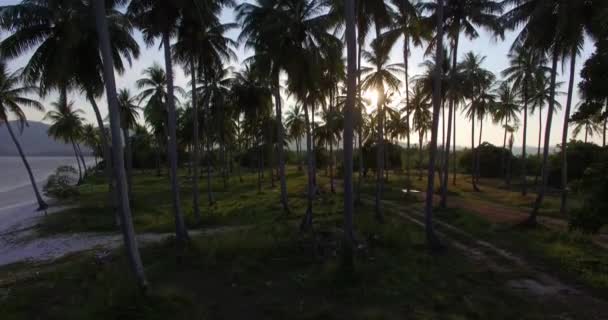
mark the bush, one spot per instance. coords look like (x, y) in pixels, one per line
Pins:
(490, 160)
(593, 188)
(62, 184)
(580, 156)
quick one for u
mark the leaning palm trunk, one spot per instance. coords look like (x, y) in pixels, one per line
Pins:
(306, 223)
(420, 138)
(280, 138)
(360, 127)
(119, 172)
(41, 204)
(452, 105)
(504, 153)
(431, 237)
(477, 154)
(564, 198)
(545, 169)
(81, 157)
(181, 234)
(195, 146)
(379, 164)
(77, 162)
(454, 150)
(347, 257)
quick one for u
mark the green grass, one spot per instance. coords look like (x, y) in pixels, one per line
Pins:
(270, 272)
(571, 255)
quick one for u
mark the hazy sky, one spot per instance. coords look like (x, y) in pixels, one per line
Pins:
(496, 60)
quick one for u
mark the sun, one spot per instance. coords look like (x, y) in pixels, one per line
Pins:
(372, 97)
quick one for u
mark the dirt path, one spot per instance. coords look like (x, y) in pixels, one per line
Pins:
(522, 276)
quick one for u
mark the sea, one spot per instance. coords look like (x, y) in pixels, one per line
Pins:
(15, 187)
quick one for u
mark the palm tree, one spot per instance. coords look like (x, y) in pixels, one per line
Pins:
(62, 58)
(294, 121)
(420, 108)
(575, 17)
(539, 23)
(477, 82)
(119, 173)
(377, 78)
(591, 125)
(349, 109)
(540, 93)
(464, 16)
(505, 110)
(406, 23)
(129, 114)
(524, 65)
(201, 42)
(328, 134)
(90, 138)
(431, 237)
(12, 99)
(160, 18)
(66, 125)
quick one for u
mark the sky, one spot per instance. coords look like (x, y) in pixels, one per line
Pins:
(494, 50)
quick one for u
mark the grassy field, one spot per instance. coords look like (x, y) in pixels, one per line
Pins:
(272, 272)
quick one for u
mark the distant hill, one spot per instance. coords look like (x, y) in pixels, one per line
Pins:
(34, 141)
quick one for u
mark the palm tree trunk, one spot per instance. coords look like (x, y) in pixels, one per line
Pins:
(119, 172)
(454, 150)
(347, 252)
(406, 42)
(129, 163)
(280, 138)
(564, 199)
(77, 162)
(473, 151)
(306, 223)
(545, 163)
(420, 137)
(504, 153)
(81, 157)
(181, 233)
(540, 134)
(195, 145)
(107, 155)
(604, 133)
(331, 167)
(524, 186)
(477, 160)
(379, 160)
(206, 125)
(360, 127)
(446, 166)
(431, 237)
(41, 203)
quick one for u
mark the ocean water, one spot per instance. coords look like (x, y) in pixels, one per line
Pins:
(13, 174)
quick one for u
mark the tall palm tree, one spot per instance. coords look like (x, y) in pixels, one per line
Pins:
(66, 125)
(382, 75)
(349, 109)
(505, 111)
(12, 99)
(464, 16)
(477, 83)
(90, 138)
(201, 41)
(328, 135)
(420, 108)
(129, 114)
(539, 24)
(158, 18)
(294, 122)
(574, 17)
(524, 65)
(119, 173)
(540, 93)
(62, 58)
(431, 237)
(407, 23)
